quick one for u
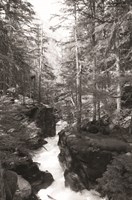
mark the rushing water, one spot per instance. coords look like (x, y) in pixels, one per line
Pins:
(48, 160)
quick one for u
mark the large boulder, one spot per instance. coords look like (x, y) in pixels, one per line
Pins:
(45, 119)
(24, 188)
(16, 187)
(87, 157)
(25, 177)
(73, 180)
(29, 170)
(8, 183)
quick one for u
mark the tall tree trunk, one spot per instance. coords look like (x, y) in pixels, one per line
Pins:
(93, 10)
(94, 93)
(99, 112)
(130, 126)
(4, 82)
(10, 35)
(24, 86)
(118, 70)
(40, 64)
(78, 76)
(118, 101)
(2, 186)
(34, 83)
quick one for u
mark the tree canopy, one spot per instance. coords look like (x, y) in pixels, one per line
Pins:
(104, 46)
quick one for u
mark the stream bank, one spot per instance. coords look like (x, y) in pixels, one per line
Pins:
(23, 128)
(48, 159)
(88, 160)
(98, 157)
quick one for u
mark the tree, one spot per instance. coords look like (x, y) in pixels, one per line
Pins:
(78, 74)
(23, 43)
(14, 16)
(103, 39)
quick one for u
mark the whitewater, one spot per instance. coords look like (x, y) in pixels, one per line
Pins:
(48, 161)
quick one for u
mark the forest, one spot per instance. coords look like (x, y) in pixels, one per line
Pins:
(84, 79)
(94, 68)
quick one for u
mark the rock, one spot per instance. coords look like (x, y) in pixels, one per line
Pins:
(8, 182)
(32, 197)
(30, 172)
(24, 188)
(95, 127)
(45, 119)
(43, 182)
(73, 180)
(36, 143)
(15, 186)
(87, 156)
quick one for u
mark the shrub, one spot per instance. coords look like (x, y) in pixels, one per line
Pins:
(116, 182)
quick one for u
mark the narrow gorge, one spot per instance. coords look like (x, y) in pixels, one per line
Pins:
(48, 160)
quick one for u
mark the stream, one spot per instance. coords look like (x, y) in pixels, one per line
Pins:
(48, 160)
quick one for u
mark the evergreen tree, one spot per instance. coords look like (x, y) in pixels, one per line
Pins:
(104, 48)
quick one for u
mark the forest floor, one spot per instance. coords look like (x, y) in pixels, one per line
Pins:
(17, 133)
(19, 137)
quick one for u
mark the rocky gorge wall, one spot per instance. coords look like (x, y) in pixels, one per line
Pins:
(23, 128)
(85, 156)
(45, 119)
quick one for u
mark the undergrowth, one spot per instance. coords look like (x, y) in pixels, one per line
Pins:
(116, 182)
(16, 134)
